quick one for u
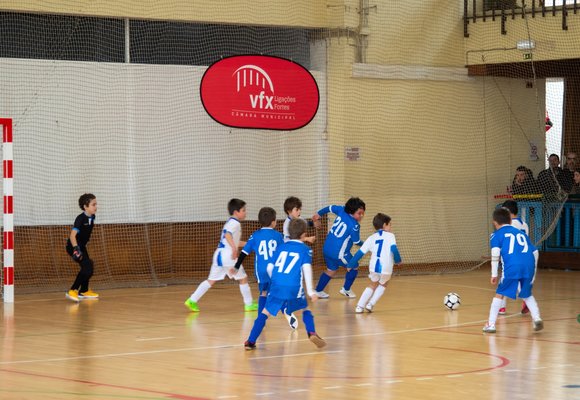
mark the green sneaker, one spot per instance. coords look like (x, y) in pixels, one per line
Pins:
(192, 305)
(251, 307)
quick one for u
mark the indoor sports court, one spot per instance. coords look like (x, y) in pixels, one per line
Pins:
(433, 113)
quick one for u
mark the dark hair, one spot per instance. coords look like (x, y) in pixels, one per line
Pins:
(85, 200)
(353, 204)
(380, 219)
(502, 216)
(266, 216)
(554, 155)
(235, 205)
(296, 228)
(291, 203)
(511, 206)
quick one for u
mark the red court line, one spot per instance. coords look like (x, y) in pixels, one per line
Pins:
(503, 362)
(92, 383)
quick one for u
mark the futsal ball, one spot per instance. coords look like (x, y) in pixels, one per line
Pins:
(452, 301)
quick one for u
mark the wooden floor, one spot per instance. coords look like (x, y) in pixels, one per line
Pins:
(144, 344)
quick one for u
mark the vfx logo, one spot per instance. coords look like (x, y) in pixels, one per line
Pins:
(252, 75)
(259, 92)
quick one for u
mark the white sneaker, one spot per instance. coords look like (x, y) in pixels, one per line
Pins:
(538, 325)
(322, 295)
(359, 310)
(348, 293)
(369, 307)
(292, 320)
(489, 328)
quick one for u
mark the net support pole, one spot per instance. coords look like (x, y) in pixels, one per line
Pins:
(8, 216)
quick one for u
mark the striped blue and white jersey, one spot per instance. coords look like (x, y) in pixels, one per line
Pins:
(384, 252)
(516, 252)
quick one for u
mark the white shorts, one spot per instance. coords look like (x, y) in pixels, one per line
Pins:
(380, 278)
(217, 273)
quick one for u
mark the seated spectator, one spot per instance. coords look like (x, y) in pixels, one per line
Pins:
(549, 179)
(524, 182)
(567, 177)
(576, 186)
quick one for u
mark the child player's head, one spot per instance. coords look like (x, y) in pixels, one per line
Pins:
(501, 216)
(355, 207)
(380, 220)
(293, 206)
(267, 217)
(297, 228)
(237, 208)
(511, 206)
(88, 203)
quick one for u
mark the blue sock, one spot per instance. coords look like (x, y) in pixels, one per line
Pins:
(261, 303)
(259, 324)
(349, 278)
(308, 319)
(322, 282)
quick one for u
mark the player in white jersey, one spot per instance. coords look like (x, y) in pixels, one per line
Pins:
(224, 259)
(293, 209)
(512, 207)
(385, 255)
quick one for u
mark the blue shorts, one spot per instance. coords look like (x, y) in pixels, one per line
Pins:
(509, 288)
(333, 264)
(274, 304)
(264, 280)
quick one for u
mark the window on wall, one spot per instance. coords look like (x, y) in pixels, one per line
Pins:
(61, 37)
(158, 42)
(554, 116)
(75, 38)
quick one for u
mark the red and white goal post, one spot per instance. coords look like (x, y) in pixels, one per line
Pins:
(8, 216)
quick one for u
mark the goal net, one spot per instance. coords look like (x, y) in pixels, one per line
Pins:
(111, 105)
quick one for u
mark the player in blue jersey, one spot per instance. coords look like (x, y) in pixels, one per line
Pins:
(512, 207)
(385, 254)
(520, 259)
(264, 243)
(290, 271)
(342, 235)
(224, 258)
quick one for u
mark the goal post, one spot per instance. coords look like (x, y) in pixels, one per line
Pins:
(8, 209)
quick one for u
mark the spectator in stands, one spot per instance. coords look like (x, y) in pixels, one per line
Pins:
(576, 186)
(524, 182)
(567, 177)
(549, 179)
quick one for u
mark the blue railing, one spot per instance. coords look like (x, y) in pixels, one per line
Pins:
(539, 215)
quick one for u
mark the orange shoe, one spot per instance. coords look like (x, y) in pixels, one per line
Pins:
(89, 294)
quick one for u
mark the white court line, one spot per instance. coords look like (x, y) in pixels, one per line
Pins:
(296, 355)
(236, 345)
(363, 384)
(425, 379)
(298, 390)
(332, 387)
(454, 376)
(228, 397)
(154, 338)
(391, 382)
(264, 394)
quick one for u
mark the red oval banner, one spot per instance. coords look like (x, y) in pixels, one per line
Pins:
(259, 92)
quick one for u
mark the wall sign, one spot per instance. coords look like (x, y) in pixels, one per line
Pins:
(259, 92)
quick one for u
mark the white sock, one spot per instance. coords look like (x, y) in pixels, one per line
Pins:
(200, 291)
(364, 298)
(246, 293)
(494, 310)
(533, 306)
(377, 294)
(504, 302)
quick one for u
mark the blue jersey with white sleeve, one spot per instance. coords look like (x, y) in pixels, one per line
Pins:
(287, 274)
(264, 242)
(345, 232)
(516, 251)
